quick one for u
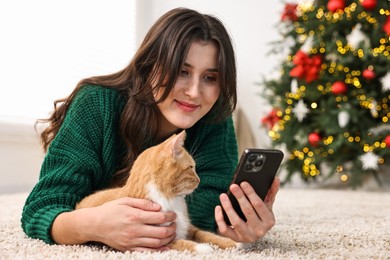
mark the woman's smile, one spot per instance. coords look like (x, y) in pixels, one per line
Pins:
(186, 107)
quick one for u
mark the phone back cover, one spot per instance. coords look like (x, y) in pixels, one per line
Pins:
(261, 181)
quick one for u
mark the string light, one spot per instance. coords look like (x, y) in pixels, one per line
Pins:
(384, 11)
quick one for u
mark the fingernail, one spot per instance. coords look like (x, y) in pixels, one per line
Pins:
(224, 198)
(244, 185)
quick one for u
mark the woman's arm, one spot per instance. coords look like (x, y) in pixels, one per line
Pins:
(125, 224)
(74, 165)
(69, 228)
(81, 159)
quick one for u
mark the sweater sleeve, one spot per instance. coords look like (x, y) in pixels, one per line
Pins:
(78, 160)
(214, 148)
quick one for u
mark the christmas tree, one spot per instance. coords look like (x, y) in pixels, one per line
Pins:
(331, 100)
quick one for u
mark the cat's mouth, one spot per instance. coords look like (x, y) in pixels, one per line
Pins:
(187, 191)
(190, 187)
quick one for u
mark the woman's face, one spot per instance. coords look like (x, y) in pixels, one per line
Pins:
(196, 90)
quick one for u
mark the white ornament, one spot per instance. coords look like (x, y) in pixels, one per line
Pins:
(294, 86)
(357, 36)
(308, 45)
(343, 118)
(300, 110)
(301, 38)
(306, 2)
(285, 50)
(369, 161)
(301, 138)
(373, 110)
(289, 42)
(332, 57)
(285, 28)
(379, 129)
(386, 82)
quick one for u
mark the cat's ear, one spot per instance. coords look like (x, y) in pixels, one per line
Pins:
(178, 142)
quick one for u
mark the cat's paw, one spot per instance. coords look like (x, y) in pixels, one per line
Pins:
(241, 245)
(204, 248)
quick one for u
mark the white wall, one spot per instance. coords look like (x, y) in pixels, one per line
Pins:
(46, 47)
(20, 156)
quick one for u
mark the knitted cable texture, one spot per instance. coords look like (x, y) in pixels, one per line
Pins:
(88, 149)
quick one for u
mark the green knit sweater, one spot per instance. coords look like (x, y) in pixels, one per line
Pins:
(88, 149)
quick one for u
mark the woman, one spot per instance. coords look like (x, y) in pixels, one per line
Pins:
(182, 77)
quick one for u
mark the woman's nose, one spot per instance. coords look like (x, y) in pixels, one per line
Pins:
(193, 87)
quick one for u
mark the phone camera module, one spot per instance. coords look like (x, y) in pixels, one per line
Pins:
(259, 163)
(248, 167)
(254, 162)
(252, 158)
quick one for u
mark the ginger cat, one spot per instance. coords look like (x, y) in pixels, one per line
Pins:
(165, 174)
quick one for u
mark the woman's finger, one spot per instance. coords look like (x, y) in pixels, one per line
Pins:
(159, 232)
(223, 228)
(146, 211)
(143, 204)
(234, 218)
(271, 195)
(245, 199)
(153, 243)
(156, 218)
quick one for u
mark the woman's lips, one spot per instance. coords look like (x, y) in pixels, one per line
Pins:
(187, 107)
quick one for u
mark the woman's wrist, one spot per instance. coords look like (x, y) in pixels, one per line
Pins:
(71, 228)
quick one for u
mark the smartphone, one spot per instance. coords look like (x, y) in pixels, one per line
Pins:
(258, 167)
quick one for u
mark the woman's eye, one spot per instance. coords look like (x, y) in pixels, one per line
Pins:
(210, 78)
(184, 73)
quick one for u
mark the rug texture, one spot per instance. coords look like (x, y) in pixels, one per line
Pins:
(311, 224)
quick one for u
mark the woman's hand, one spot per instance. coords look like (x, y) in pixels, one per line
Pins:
(259, 215)
(126, 224)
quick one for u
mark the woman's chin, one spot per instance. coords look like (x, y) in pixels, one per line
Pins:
(185, 126)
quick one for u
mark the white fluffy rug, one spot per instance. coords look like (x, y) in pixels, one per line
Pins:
(311, 224)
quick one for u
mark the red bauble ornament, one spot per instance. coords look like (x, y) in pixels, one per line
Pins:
(387, 141)
(386, 26)
(369, 4)
(369, 74)
(339, 88)
(314, 139)
(334, 5)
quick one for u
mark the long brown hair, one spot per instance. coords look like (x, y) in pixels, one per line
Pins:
(158, 60)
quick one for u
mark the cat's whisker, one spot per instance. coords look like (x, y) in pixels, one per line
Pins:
(196, 145)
